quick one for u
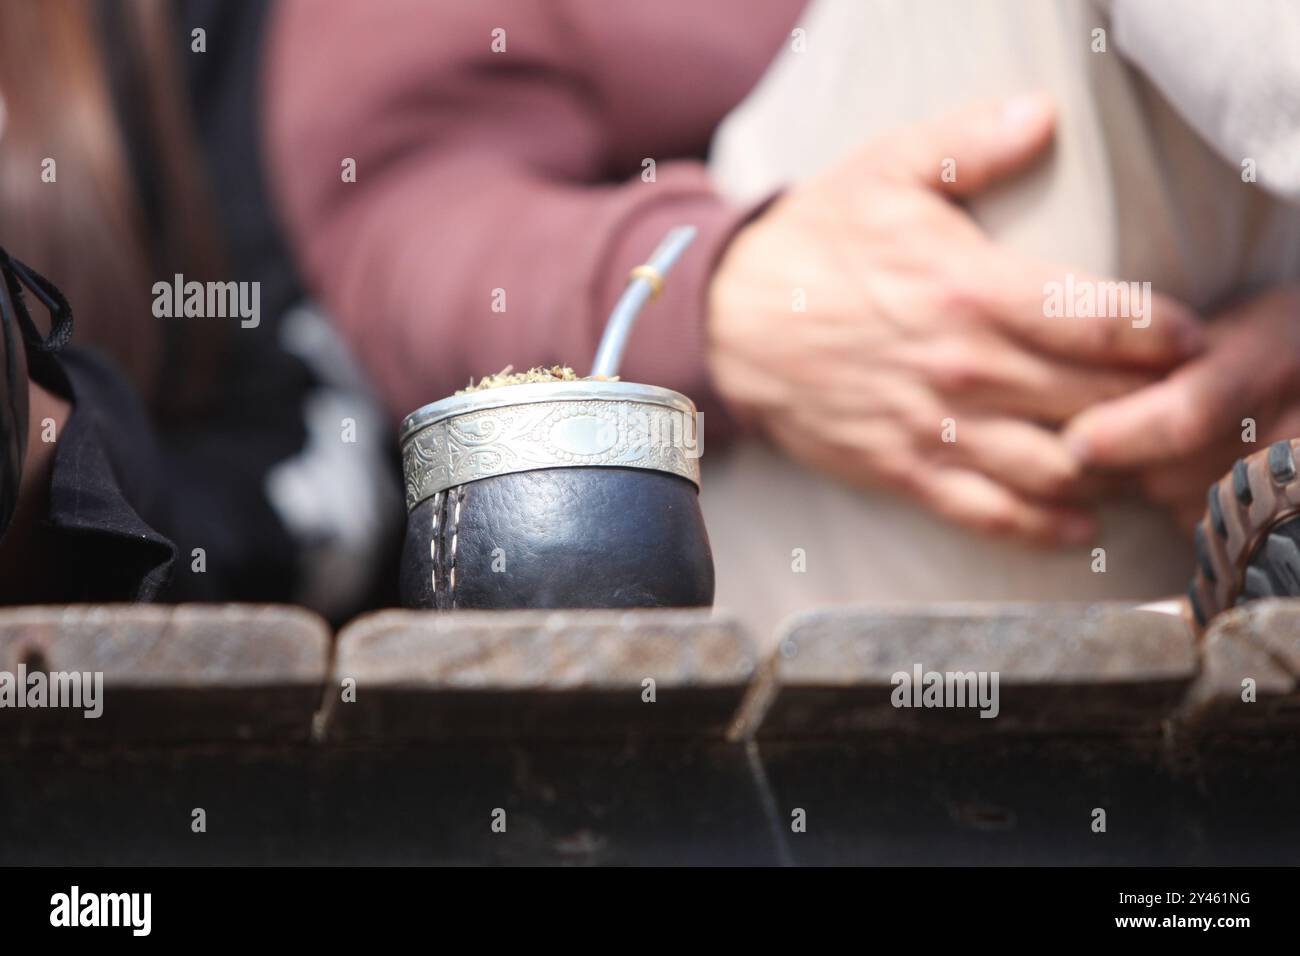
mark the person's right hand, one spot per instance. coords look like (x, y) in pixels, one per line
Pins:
(914, 317)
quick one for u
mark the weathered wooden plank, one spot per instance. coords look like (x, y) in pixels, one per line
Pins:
(577, 674)
(1250, 677)
(165, 673)
(1041, 668)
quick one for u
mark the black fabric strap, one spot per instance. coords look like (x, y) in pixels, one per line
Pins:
(17, 277)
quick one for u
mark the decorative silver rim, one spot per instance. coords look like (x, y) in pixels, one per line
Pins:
(543, 392)
(519, 428)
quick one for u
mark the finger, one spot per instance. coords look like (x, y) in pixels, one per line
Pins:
(1023, 457)
(1006, 380)
(877, 454)
(1142, 429)
(965, 497)
(963, 151)
(1174, 419)
(1051, 393)
(1082, 317)
(979, 502)
(1198, 405)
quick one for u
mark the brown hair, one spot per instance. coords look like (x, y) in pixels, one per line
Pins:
(87, 230)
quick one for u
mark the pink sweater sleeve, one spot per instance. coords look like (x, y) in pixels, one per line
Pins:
(499, 197)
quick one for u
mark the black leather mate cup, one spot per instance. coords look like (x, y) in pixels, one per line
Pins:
(580, 494)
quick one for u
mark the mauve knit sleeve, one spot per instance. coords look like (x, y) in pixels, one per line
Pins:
(498, 201)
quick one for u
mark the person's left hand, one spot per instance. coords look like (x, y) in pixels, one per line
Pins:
(1181, 434)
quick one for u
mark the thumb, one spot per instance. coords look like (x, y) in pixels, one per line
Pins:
(962, 152)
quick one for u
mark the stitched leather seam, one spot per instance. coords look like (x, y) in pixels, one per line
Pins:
(455, 531)
(433, 545)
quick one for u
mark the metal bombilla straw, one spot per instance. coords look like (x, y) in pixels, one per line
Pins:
(645, 283)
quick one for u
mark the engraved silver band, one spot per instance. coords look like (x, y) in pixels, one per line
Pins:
(518, 428)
